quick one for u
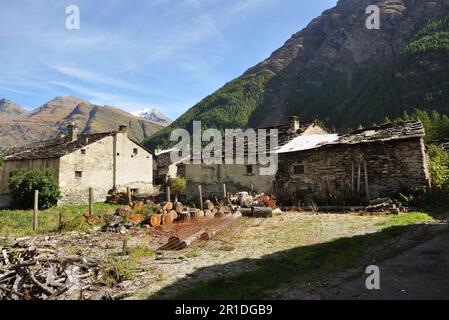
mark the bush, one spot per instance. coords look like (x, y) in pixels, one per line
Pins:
(22, 184)
(439, 168)
(178, 185)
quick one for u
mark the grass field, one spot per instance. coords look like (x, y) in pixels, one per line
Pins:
(16, 223)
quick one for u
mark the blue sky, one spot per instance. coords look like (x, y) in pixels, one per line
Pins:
(136, 54)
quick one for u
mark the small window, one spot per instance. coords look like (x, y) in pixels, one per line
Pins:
(135, 191)
(78, 174)
(83, 151)
(118, 153)
(249, 170)
(135, 151)
(298, 169)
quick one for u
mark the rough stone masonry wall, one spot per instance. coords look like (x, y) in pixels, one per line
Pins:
(236, 178)
(96, 165)
(390, 165)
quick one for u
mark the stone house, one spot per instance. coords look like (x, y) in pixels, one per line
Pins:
(103, 161)
(369, 163)
(243, 177)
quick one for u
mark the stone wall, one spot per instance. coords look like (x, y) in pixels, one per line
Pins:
(114, 161)
(212, 178)
(390, 166)
(95, 162)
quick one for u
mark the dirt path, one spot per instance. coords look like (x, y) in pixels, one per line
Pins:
(419, 273)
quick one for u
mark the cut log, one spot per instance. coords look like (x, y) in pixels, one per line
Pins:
(246, 212)
(179, 208)
(208, 205)
(167, 219)
(167, 205)
(156, 220)
(262, 212)
(200, 214)
(137, 219)
(184, 216)
(257, 212)
(138, 207)
(208, 214)
(194, 214)
(173, 214)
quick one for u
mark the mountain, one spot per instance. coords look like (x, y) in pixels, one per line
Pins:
(20, 127)
(337, 70)
(153, 115)
(9, 110)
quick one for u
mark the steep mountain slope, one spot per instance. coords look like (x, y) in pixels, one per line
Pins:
(52, 118)
(9, 110)
(153, 115)
(339, 71)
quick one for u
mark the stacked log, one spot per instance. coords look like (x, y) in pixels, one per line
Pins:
(385, 205)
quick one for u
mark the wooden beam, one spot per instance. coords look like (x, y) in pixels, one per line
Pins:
(368, 193)
(359, 177)
(91, 201)
(200, 196)
(36, 210)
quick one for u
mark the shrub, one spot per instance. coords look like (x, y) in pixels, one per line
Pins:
(439, 168)
(178, 185)
(22, 184)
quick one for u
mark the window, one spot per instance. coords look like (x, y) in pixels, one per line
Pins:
(78, 174)
(298, 169)
(135, 151)
(135, 191)
(249, 170)
(83, 151)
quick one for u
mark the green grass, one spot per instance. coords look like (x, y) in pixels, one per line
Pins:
(301, 265)
(16, 223)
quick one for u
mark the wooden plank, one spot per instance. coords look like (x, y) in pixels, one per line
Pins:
(200, 196)
(91, 201)
(359, 177)
(368, 193)
(36, 210)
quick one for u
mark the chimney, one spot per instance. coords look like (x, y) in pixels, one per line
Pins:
(72, 132)
(293, 123)
(123, 129)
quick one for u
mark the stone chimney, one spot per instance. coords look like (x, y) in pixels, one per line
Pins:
(123, 129)
(293, 123)
(72, 132)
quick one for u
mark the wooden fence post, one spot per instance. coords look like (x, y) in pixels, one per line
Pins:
(225, 194)
(200, 196)
(130, 199)
(36, 210)
(91, 201)
(168, 195)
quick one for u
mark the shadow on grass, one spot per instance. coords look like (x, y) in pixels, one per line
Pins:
(301, 265)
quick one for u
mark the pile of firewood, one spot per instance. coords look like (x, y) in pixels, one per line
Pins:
(29, 272)
(386, 205)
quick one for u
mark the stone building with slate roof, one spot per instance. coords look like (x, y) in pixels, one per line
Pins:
(243, 177)
(369, 163)
(103, 161)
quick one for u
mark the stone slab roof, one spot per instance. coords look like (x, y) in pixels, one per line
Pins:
(56, 148)
(387, 132)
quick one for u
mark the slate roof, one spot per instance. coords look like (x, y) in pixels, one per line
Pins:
(57, 148)
(386, 132)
